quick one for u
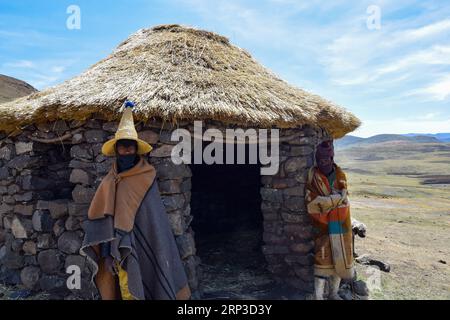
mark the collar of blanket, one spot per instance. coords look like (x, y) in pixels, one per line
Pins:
(120, 194)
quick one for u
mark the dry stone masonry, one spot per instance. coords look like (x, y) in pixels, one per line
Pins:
(46, 188)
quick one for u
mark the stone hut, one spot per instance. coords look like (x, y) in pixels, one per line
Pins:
(51, 164)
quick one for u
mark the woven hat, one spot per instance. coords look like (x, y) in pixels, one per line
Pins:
(126, 130)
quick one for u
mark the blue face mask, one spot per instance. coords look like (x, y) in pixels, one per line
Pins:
(126, 162)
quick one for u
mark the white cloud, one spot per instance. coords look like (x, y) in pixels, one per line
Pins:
(438, 91)
(20, 64)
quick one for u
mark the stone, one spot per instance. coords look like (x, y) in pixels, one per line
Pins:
(96, 149)
(93, 124)
(49, 261)
(78, 209)
(23, 161)
(5, 208)
(77, 138)
(16, 245)
(6, 153)
(72, 223)
(301, 151)
(168, 170)
(298, 231)
(25, 197)
(163, 151)
(21, 228)
(111, 126)
(360, 288)
(283, 183)
(42, 221)
(12, 260)
(302, 141)
(30, 260)
(69, 242)
(30, 182)
(149, 136)
(186, 245)
(9, 200)
(25, 210)
(30, 277)
(58, 208)
(303, 248)
(2, 253)
(53, 284)
(80, 176)
(7, 223)
(45, 241)
(9, 277)
(3, 190)
(176, 221)
(77, 164)
(272, 249)
(12, 189)
(79, 152)
(173, 202)
(59, 227)
(295, 164)
(24, 147)
(170, 186)
(294, 203)
(4, 173)
(295, 217)
(190, 265)
(82, 194)
(273, 239)
(295, 191)
(29, 248)
(271, 195)
(103, 168)
(95, 136)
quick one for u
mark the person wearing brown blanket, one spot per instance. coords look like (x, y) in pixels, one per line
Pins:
(128, 239)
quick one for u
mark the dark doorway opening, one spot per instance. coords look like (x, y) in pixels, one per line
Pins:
(228, 226)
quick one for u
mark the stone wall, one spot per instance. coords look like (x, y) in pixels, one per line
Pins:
(45, 191)
(287, 229)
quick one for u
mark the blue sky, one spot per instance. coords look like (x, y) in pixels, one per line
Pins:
(396, 78)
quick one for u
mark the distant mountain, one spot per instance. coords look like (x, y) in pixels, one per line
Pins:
(350, 141)
(444, 137)
(11, 88)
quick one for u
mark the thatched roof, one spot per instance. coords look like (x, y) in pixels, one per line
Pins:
(174, 72)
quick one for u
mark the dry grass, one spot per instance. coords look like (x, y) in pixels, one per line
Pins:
(408, 222)
(174, 72)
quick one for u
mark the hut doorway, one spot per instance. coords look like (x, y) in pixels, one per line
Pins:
(228, 226)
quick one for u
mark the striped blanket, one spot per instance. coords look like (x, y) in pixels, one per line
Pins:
(328, 206)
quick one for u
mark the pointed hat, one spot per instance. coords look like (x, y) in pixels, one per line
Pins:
(126, 130)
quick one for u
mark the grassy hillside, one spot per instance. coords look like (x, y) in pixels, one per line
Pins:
(401, 190)
(352, 141)
(11, 88)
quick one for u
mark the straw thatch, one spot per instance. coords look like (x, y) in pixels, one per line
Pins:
(174, 72)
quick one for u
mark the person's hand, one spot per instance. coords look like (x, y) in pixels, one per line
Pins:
(110, 265)
(336, 200)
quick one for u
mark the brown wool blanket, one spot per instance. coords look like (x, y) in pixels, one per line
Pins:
(147, 250)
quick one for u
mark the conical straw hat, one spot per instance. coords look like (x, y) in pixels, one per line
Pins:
(126, 130)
